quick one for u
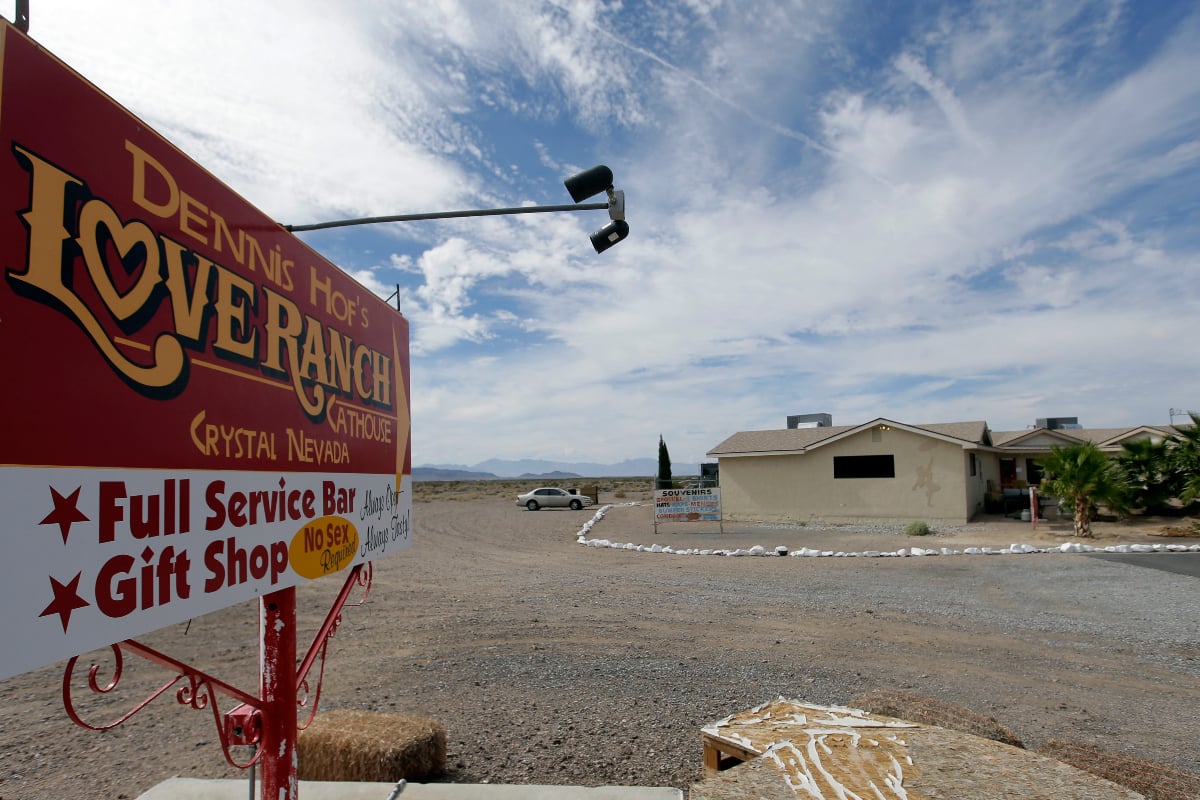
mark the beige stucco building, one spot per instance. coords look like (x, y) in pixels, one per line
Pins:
(888, 471)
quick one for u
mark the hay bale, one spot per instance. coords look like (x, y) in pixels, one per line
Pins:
(915, 708)
(348, 745)
(1153, 780)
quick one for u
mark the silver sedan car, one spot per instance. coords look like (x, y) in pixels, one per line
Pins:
(553, 498)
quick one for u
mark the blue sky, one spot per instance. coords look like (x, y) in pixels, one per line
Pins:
(924, 211)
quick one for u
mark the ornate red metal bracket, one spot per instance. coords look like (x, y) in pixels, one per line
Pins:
(360, 576)
(244, 724)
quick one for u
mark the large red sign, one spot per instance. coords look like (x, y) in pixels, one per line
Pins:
(198, 408)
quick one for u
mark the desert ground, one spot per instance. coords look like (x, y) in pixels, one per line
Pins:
(551, 662)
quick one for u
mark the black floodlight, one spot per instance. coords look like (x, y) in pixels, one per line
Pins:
(609, 235)
(589, 182)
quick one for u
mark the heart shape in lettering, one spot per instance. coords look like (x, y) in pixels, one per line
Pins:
(125, 237)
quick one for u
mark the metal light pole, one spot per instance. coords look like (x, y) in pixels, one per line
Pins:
(585, 184)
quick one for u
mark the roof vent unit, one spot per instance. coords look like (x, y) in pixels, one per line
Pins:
(810, 421)
(1059, 423)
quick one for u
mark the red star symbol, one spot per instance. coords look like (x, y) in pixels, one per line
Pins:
(66, 512)
(66, 600)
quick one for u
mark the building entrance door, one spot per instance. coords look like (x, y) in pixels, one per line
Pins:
(1008, 472)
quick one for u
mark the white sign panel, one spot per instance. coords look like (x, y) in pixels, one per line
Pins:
(687, 505)
(106, 555)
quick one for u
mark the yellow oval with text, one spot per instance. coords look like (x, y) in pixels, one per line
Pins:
(323, 546)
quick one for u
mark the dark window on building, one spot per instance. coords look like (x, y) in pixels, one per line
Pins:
(864, 466)
(972, 463)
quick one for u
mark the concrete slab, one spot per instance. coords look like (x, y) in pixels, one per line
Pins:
(197, 789)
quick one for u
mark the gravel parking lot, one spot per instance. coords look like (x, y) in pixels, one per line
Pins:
(550, 662)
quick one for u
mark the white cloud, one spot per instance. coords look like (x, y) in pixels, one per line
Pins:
(912, 68)
(294, 106)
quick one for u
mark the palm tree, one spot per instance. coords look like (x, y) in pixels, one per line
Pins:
(1080, 474)
(1185, 458)
(1146, 470)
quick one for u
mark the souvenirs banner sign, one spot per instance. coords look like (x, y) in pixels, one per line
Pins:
(687, 505)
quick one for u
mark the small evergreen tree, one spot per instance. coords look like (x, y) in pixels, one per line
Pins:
(664, 465)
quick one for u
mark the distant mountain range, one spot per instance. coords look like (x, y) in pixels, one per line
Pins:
(533, 468)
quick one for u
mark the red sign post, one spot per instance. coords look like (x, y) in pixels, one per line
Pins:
(198, 408)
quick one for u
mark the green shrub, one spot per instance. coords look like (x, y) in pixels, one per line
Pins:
(917, 529)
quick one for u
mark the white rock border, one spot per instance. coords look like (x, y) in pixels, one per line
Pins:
(903, 552)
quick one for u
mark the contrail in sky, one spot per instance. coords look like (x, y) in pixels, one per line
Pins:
(770, 125)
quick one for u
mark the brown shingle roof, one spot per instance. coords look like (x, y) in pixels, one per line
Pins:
(1001, 438)
(797, 440)
(788, 440)
(1097, 435)
(975, 431)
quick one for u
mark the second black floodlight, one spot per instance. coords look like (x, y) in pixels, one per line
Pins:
(609, 235)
